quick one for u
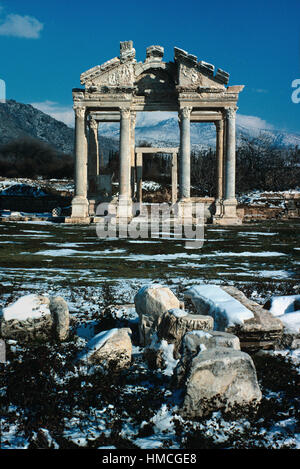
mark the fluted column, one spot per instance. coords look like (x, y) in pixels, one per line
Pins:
(229, 201)
(125, 155)
(174, 178)
(230, 154)
(79, 202)
(139, 176)
(185, 153)
(220, 166)
(219, 156)
(93, 157)
(132, 141)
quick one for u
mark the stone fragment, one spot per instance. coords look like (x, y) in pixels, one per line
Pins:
(175, 323)
(233, 312)
(151, 302)
(263, 331)
(206, 67)
(222, 76)
(35, 318)
(127, 50)
(220, 378)
(61, 318)
(154, 53)
(287, 309)
(112, 349)
(160, 356)
(196, 341)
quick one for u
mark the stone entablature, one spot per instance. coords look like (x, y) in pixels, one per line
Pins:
(117, 89)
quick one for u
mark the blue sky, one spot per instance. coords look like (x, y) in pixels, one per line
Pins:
(46, 45)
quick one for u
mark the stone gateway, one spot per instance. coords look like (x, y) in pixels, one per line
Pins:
(116, 90)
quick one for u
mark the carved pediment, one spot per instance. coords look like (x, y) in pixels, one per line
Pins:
(117, 72)
(194, 74)
(118, 75)
(153, 76)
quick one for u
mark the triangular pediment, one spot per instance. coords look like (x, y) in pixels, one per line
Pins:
(154, 75)
(192, 73)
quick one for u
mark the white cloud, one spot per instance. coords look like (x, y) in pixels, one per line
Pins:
(61, 113)
(253, 122)
(20, 26)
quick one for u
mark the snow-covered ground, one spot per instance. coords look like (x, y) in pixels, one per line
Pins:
(274, 199)
(78, 405)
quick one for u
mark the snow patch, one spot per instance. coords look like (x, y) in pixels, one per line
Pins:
(226, 310)
(26, 307)
(96, 342)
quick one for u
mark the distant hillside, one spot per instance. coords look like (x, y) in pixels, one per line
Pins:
(18, 121)
(203, 136)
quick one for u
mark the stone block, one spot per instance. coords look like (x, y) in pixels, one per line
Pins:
(175, 323)
(151, 302)
(112, 348)
(220, 378)
(35, 318)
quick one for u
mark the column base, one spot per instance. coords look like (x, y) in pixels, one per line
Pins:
(92, 204)
(228, 215)
(78, 220)
(124, 208)
(219, 208)
(80, 207)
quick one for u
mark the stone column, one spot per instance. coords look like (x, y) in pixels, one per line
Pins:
(139, 175)
(220, 165)
(185, 154)
(174, 178)
(80, 202)
(93, 157)
(125, 164)
(230, 201)
(132, 138)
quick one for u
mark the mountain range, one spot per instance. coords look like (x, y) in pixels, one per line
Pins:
(18, 120)
(203, 135)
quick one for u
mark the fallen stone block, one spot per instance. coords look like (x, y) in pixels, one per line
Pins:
(287, 309)
(160, 355)
(151, 302)
(175, 323)
(263, 331)
(220, 378)
(233, 312)
(35, 318)
(197, 341)
(111, 349)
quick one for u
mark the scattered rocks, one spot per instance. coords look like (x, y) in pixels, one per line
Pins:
(112, 349)
(220, 378)
(151, 302)
(35, 318)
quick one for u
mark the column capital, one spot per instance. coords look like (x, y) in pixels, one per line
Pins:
(93, 124)
(230, 112)
(125, 112)
(79, 111)
(185, 112)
